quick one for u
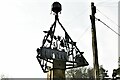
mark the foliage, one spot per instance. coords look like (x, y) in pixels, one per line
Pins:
(3, 77)
(82, 72)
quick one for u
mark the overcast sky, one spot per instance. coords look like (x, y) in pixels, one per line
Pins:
(22, 23)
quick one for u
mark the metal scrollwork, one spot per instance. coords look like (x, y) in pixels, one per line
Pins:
(59, 47)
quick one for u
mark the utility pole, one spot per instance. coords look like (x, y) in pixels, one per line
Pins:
(94, 43)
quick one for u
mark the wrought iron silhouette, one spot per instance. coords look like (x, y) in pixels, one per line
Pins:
(56, 47)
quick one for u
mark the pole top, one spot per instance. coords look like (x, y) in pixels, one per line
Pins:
(92, 3)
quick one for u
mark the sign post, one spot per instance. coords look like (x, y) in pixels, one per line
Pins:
(57, 52)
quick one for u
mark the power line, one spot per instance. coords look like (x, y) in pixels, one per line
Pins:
(108, 4)
(84, 32)
(108, 27)
(89, 27)
(78, 15)
(109, 18)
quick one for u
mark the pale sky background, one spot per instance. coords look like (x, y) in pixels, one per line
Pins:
(22, 23)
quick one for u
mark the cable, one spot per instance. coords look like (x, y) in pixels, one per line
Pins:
(84, 32)
(108, 4)
(109, 18)
(108, 26)
(78, 15)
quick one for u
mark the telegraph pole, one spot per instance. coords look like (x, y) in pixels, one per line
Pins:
(94, 42)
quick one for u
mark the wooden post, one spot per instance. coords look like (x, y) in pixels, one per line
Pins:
(94, 43)
(58, 71)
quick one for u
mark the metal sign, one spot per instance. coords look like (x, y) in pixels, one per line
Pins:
(47, 53)
(57, 47)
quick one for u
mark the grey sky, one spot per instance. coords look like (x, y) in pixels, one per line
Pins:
(21, 30)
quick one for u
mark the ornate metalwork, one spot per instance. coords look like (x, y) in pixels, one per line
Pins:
(56, 47)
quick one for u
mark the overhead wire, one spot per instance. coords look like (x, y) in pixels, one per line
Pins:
(84, 32)
(108, 18)
(78, 15)
(108, 4)
(98, 19)
(84, 12)
(108, 26)
(88, 26)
